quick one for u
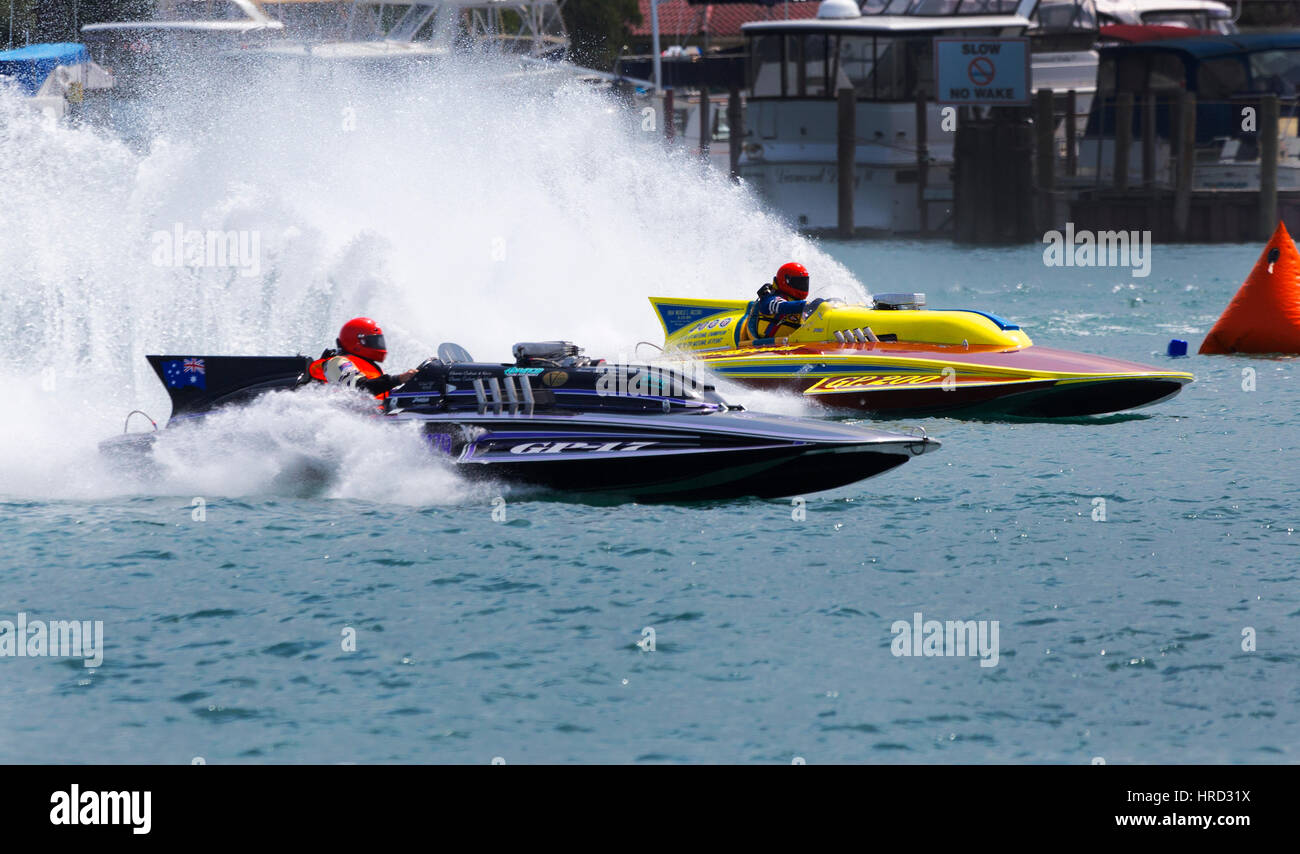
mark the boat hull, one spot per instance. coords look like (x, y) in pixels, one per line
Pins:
(669, 457)
(905, 379)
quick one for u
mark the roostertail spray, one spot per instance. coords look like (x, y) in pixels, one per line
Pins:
(1264, 316)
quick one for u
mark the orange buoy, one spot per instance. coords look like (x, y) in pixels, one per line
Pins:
(1264, 316)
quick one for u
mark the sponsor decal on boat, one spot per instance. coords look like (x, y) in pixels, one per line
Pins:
(554, 379)
(579, 447)
(526, 371)
(838, 384)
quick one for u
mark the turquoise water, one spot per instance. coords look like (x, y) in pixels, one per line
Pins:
(517, 639)
(389, 612)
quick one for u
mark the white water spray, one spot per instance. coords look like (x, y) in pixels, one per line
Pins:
(461, 206)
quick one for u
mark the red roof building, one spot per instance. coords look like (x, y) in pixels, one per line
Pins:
(683, 23)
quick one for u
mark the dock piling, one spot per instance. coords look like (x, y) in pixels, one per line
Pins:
(706, 129)
(922, 161)
(1045, 130)
(1123, 137)
(847, 151)
(1186, 139)
(1071, 133)
(1268, 146)
(736, 123)
(1149, 141)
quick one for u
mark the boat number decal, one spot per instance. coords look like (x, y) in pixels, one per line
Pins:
(566, 447)
(831, 384)
(440, 442)
(554, 379)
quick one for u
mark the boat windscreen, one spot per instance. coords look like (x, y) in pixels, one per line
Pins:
(1275, 72)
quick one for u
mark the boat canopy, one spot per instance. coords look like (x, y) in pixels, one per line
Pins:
(1214, 67)
(30, 65)
(1224, 72)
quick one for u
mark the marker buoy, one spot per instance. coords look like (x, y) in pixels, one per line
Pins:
(1264, 316)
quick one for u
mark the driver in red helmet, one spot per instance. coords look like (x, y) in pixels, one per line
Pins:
(355, 363)
(780, 305)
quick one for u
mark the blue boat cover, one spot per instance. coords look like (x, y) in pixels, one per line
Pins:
(32, 64)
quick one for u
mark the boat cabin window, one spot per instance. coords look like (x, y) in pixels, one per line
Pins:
(1275, 72)
(1220, 79)
(767, 55)
(857, 62)
(903, 65)
(1062, 15)
(1141, 72)
(1166, 73)
(791, 66)
(878, 68)
(1214, 20)
(813, 79)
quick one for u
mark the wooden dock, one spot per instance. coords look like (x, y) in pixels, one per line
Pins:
(1216, 216)
(1125, 191)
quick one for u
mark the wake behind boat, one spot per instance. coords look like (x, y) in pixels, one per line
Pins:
(558, 420)
(895, 358)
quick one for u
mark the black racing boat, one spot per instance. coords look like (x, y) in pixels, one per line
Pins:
(559, 420)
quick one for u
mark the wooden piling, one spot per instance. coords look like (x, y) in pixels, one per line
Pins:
(1071, 133)
(1123, 137)
(669, 118)
(736, 122)
(1045, 131)
(1148, 140)
(922, 161)
(847, 151)
(1186, 138)
(985, 184)
(1268, 145)
(706, 130)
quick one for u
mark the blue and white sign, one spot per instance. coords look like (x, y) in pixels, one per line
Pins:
(982, 71)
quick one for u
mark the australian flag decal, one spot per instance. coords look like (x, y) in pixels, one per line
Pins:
(185, 373)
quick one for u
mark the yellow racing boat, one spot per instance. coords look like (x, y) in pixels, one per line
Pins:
(895, 357)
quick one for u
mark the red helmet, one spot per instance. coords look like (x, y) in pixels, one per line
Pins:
(792, 280)
(362, 337)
